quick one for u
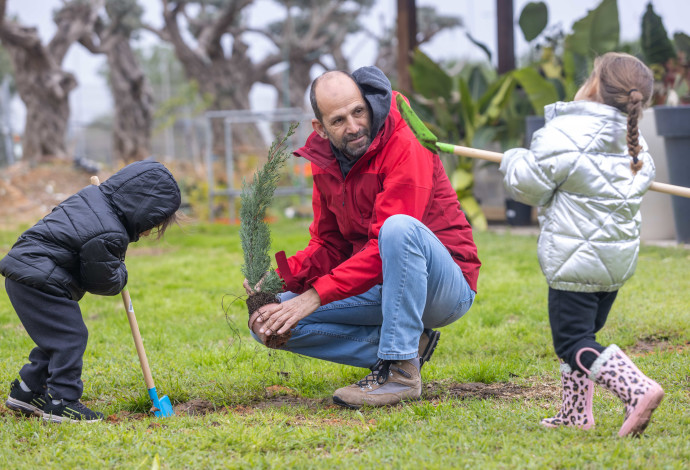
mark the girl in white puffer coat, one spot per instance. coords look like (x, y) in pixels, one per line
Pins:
(587, 171)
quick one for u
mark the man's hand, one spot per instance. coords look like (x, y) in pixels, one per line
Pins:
(276, 319)
(257, 288)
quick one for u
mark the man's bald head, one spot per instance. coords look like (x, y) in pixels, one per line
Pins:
(332, 80)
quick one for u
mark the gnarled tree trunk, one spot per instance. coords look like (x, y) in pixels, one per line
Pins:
(133, 103)
(42, 85)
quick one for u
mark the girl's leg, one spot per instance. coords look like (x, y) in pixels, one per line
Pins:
(575, 317)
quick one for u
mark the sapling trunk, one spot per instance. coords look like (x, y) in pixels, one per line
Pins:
(255, 234)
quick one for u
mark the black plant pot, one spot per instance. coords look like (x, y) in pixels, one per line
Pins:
(673, 124)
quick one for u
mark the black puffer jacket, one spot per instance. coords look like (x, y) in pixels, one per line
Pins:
(80, 246)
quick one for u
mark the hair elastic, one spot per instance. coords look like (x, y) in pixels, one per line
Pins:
(631, 90)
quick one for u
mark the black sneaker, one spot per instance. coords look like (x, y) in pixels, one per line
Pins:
(29, 403)
(69, 411)
(427, 345)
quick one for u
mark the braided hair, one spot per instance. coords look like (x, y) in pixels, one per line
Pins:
(626, 83)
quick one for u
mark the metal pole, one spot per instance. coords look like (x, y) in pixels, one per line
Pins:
(209, 167)
(229, 168)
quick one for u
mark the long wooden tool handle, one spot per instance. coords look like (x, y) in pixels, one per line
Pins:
(496, 157)
(134, 326)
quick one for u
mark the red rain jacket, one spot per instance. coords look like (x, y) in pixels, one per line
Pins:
(395, 176)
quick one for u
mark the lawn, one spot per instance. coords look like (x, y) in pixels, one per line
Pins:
(492, 379)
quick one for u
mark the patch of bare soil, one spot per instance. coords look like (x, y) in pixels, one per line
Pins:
(28, 193)
(497, 390)
(654, 344)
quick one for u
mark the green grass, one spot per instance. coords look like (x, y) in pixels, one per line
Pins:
(188, 297)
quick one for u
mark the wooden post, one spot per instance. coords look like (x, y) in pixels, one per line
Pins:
(506, 35)
(407, 41)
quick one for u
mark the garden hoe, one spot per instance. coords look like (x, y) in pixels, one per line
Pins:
(430, 142)
(161, 406)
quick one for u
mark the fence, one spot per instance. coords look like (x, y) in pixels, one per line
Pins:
(263, 119)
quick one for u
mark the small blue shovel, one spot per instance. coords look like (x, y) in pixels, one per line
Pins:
(161, 406)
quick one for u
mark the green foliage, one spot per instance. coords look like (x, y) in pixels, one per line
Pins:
(656, 45)
(533, 19)
(565, 60)
(540, 91)
(255, 234)
(597, 33)
(667, 59)
(465, 108)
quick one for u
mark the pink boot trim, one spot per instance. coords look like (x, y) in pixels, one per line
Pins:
(640, 394)
(576, 409)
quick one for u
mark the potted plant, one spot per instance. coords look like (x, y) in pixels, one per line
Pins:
(669, 63)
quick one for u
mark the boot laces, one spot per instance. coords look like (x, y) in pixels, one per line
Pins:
(380, 373)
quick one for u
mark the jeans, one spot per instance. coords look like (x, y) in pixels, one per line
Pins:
(422, 288)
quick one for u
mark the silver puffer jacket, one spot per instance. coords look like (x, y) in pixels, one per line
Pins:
(578, 174)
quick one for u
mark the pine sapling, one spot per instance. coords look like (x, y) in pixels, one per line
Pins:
(255, 234)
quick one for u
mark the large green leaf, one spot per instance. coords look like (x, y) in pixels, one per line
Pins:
(428, 78)
(533, 19)
(473, 211)
(482, 46)
(467, 109)
(656, 46)
(598, 32)
(540, 91)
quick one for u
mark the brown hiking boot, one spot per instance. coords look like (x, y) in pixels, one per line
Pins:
(389, 383)
(427, 345)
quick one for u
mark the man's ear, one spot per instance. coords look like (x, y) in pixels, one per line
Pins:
(318, 128)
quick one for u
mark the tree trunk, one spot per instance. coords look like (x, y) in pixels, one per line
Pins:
(41, 83)
(133, 103)
(43, 88)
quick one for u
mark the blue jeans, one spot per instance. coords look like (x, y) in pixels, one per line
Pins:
(422, 288)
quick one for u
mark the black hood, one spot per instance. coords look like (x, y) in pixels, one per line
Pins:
(144, 194)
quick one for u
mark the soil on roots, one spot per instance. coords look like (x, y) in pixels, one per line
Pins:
(258, 300)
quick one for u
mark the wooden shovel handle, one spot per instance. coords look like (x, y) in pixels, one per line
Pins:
(134, 326)
(138, 343)
(496, 157)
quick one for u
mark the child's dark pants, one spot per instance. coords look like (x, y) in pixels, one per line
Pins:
(56, 326)
(575, 318)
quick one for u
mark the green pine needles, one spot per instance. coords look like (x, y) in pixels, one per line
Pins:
(254, 232)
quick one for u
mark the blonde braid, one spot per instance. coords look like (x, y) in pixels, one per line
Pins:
(634, 115)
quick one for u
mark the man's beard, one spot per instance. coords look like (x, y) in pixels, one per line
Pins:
(350, 151)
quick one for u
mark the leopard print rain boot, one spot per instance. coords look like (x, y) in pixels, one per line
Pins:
(576, 410)
(641, 395)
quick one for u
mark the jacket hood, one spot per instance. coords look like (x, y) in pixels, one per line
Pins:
(377, 92)
(144, 194)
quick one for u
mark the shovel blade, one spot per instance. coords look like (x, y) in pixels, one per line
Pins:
(161, 406)
(166, 408)
(416, 125)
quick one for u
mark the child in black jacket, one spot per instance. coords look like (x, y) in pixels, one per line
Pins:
(79, 247)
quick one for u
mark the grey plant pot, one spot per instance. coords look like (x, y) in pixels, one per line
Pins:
(673, 124)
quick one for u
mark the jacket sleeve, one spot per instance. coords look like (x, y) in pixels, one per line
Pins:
(326, 249)
(407, 188)
(102, 267)
(532, 176)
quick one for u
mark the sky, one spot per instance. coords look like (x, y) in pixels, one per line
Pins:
(92, 98)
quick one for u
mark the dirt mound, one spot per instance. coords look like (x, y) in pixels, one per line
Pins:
(28, 192)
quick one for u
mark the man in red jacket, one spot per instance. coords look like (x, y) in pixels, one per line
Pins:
(391, 254)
